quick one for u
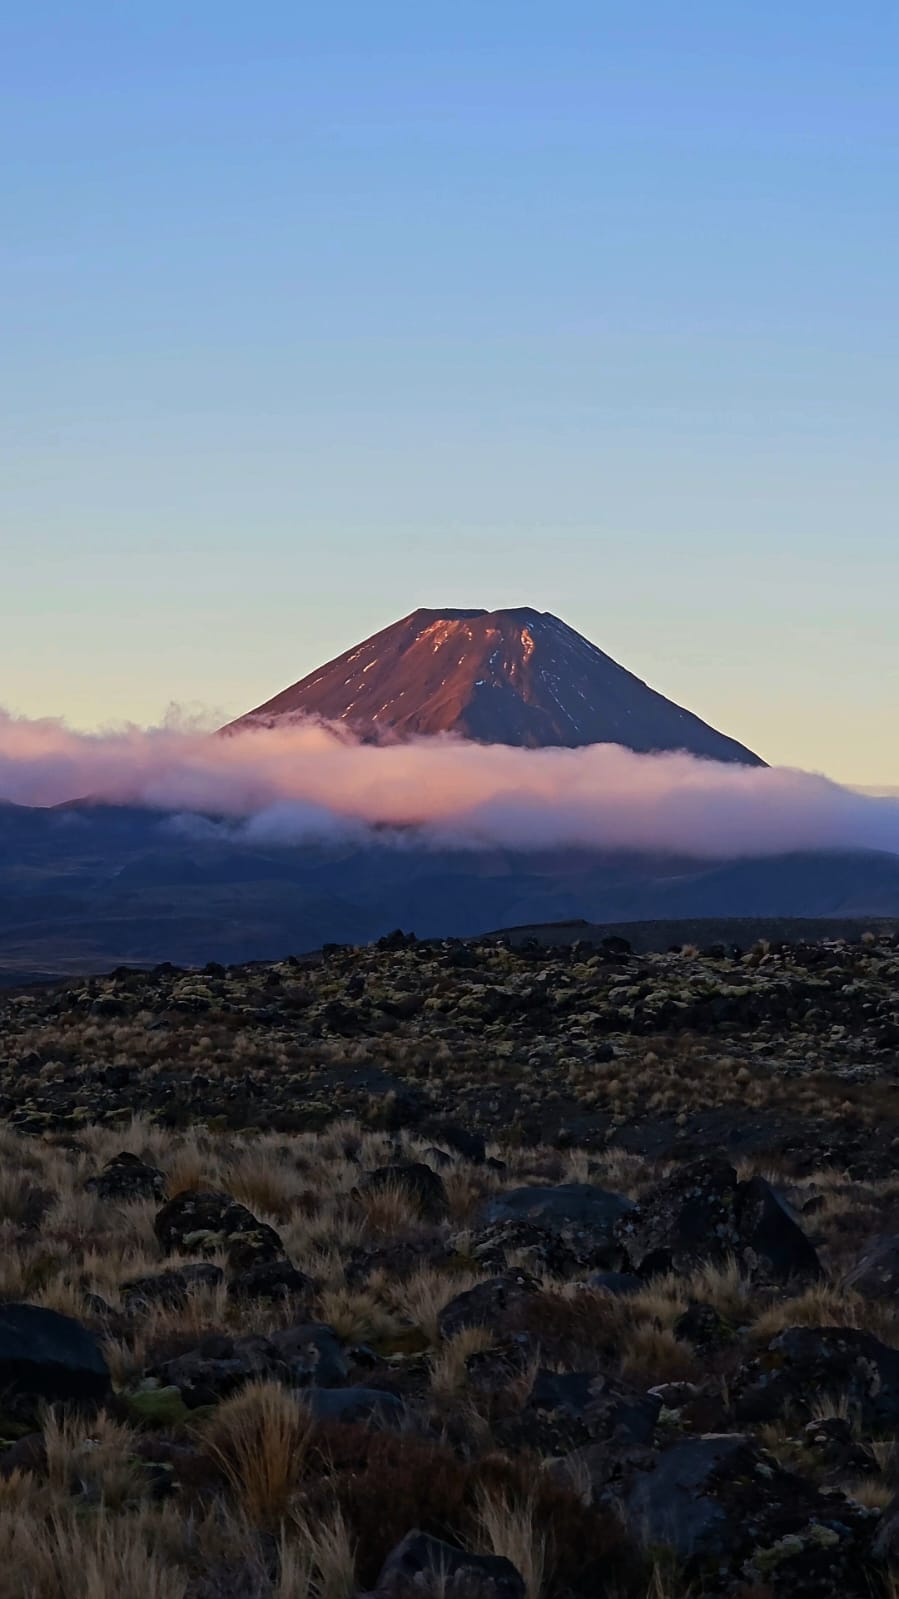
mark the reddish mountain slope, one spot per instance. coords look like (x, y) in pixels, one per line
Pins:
(498, 677)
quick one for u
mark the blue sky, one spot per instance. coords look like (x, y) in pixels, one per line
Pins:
(315, 314)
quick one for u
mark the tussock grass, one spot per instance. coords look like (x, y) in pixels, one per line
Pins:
(423, 1296)
(827, 1305)
(91, 1456)
(262, 1472)
(449, 1376)
(509, 1527)
(316, 1558)
(259, 1438)
(43, 1554)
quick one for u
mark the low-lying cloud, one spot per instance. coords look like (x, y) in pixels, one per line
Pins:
(310, 781)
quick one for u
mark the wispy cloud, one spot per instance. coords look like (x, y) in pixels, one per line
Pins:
(310, 780)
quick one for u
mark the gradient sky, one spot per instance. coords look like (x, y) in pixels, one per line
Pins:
(316, 313)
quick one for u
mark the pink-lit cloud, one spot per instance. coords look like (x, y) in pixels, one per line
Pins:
(308, 780)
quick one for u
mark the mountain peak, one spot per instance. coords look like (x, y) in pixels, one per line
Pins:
(513, 676)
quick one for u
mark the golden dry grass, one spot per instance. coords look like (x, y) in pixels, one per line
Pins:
(256, 1443)
(316, 1558)
(52, 1554)
(259, 1439)
(449, 1375)
(509, 1527)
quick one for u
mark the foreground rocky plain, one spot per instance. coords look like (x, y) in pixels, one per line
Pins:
(457, 1269)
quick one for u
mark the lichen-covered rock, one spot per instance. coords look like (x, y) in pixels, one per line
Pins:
(566, 1410)
(701, 1213)
(688, 1218)
(531, 1247)
(207, 1223)
(734, 1517)
(802, 1363)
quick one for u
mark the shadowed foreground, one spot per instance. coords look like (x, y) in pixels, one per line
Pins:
(565, 1272)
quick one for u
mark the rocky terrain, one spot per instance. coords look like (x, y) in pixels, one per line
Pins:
(425, 1268)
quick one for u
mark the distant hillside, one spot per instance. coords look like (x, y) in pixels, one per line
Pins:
(88, 887)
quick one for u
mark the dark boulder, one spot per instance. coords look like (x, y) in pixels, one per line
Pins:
(688, 1218)
(275, 1280)
(471, 1146)
(534, 1248)
(877, 1274)
(621, 1284)
(704, 1327)
(423, 1187)
(566, 1410)
(208, 1222)
(576, 1208)
(44, 1355)
(26, 1454)
(422, 1567)
(495, 1304)
(170, 1288)
(218, 1366)
(375, 1406)
(801, 1364)
(312, 1353)
(724, 1507)
(127, 1177)
(768, 1230)
(701, 1213)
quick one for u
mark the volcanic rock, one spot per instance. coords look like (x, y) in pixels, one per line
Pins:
(424, 1566)
(45, 1355)
(723, 1506)
(801, 1364)
(170, 1288)
(127, 1177)
(494, 1304)
(208, 1222)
